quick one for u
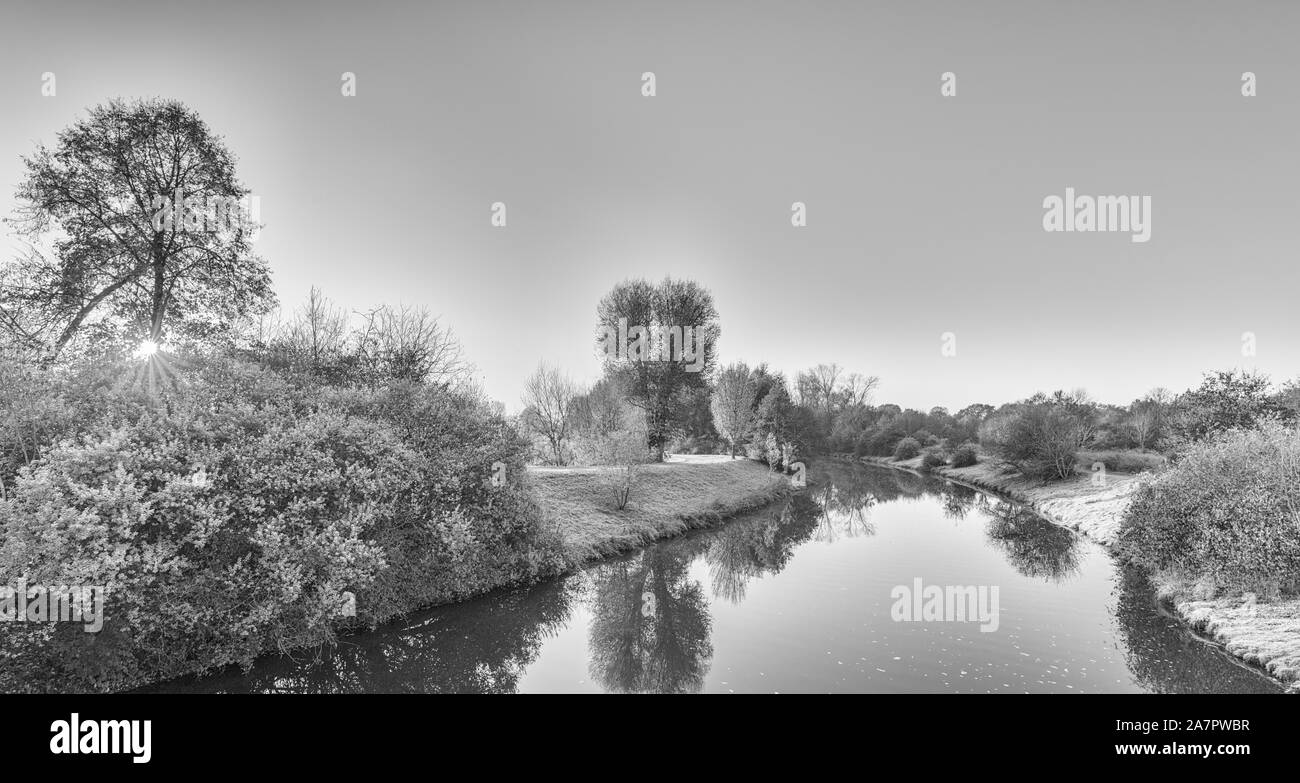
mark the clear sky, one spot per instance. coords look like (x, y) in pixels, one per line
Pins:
(924, 212)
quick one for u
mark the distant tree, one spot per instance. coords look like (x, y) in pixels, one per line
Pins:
(734, 403)
(773, 437)
(409, 343)
(652, 379)
(1041, 436)
(316, 338)
(126, 264)
(1224, 401)
(807, 390)
(857, 388)
(600, 409)
(825, 379)
(548, 401)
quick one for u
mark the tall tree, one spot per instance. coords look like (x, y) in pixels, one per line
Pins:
(857, 389)
(733, 404)
(825, 378)
(152, 230)
(658, 340)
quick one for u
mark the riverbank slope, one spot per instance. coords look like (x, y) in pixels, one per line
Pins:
(666, 499)
(1266, 635)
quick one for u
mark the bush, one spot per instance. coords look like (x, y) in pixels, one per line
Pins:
(932, 459)
(228, 518)
(1124, 461)
(965, 455)
(907, 448)
(1040, 440)
(925, 438)
(1225, 401)
(1225, 517)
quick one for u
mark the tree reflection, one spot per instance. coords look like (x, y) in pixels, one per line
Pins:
(958, 500)
(1164, 656)
(760, 544)
(1034, 546)
(650, 625)
(845, 494)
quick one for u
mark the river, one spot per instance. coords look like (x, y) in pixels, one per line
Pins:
(797, 597)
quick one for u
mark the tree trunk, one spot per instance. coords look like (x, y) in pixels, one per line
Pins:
(159, 288)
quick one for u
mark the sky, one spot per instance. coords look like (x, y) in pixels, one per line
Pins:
(924, 212)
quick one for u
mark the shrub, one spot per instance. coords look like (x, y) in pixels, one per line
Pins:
(1225, 401)
(1124, 461)
(907, 448)
(932, 459)
(1224, 517)
(925, 438)
(228, 518)
(965, 455)
(1040, 440)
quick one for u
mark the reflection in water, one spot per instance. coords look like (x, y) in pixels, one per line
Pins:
(650, 625)
(1036, 547)
(958, 500)
(645, 622)
(757, 544)
(482, 646)
(844, 495)
(1165, 658)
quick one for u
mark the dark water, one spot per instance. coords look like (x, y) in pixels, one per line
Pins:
(797, 598)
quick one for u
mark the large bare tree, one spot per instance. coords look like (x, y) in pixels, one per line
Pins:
(548, 401)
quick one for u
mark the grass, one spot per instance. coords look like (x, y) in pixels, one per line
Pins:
(667, 500)
(1122, 461)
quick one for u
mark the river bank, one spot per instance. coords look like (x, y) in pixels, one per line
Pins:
(1264, 634)
(666, 499)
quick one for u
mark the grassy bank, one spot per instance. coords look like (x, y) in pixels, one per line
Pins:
(668, 499)
(1264, 634)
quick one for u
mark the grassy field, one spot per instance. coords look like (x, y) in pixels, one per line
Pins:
(667, 499)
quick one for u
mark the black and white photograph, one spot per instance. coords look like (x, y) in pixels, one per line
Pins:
(940, 353)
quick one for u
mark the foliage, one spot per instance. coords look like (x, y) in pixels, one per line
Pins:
(125, 262)
(733, 404)
(1040, 437)
(1224, 401)
(932, 458)
(1226, 517)
(965, 455)
(228, 517)
(907, 448)
(655, 368)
